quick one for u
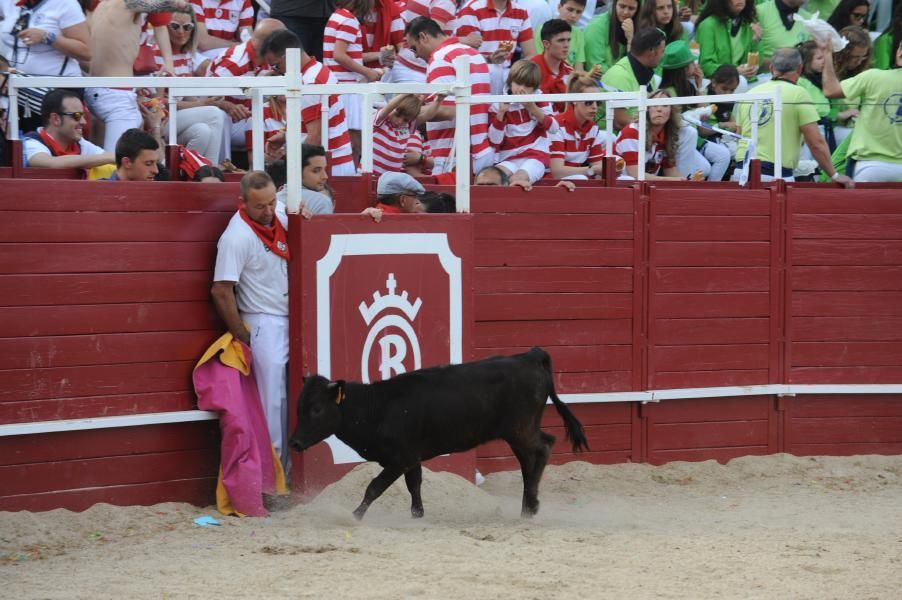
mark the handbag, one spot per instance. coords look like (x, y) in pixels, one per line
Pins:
(145, 63)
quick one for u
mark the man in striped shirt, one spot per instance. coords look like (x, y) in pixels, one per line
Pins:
(243, 59)
(337, 139)
(408, 67)
(426, 39)
(495, 27)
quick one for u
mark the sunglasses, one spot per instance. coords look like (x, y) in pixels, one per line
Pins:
(188, 27)
(858, 16)
(78, 116)
(591, 102)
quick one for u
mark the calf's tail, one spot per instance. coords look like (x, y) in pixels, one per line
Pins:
(575, 432)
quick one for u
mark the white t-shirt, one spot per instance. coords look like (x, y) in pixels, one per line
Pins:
(261, 275)
(40, 59)
(32, 147)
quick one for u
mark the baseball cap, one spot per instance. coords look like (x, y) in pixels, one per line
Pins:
(390, 184)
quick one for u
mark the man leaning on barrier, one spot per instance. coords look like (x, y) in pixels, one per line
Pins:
(799, 121)
(59, 143)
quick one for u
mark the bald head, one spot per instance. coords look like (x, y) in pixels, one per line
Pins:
(263, 29)
(786, 61)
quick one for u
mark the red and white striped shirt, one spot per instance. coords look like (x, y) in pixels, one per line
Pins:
(316, 73)
(441, 133)
(224, 19)
(511, 25)
(272, 124)
(343, 26)
(395, 34)
(185, 64)
(519, 135)
(390, 145)
(416, 143)
(441, 11)
(236, 61)
(656, 158)
(579, 145)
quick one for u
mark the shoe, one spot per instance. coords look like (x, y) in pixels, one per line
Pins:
(227, 166)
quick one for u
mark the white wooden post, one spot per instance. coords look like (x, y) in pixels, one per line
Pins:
(643, 119)
(778, 133)
(462, 97)
(366, 134)
(293, 129)
(257, 129)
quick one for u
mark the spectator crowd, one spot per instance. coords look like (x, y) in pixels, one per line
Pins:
(842, 115)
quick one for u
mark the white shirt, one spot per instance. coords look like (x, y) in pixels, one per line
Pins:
(40, 59)
(32, 147)
(316, 202)
(261, 275)
(539, 11)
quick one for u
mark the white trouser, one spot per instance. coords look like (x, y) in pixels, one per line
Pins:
(269, 345)
(118, 109)
(719, 157)
(688, 159)
(236, 136)
(201, 129)
(876, 170)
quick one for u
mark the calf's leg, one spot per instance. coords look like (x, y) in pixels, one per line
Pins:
(527, 457)
(376, 487)
(414, 480)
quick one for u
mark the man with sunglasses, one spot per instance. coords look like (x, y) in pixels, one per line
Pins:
(59, 143)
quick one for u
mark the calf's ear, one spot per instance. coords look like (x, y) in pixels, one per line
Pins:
(338, 387)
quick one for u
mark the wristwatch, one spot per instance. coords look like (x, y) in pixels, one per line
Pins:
(590, 173)
(50, 38)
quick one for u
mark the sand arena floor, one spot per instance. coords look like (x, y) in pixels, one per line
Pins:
(760, 527)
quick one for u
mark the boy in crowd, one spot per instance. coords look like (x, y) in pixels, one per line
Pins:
(394, 125)
(553, 61)
(570, 12)
(520, 132)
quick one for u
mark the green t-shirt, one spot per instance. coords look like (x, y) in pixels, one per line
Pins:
(577, 54)
(884, 53)
(775, 34)
(878, 129)
(798, 110)
(820, 100)
(598, 51)
(824, 7)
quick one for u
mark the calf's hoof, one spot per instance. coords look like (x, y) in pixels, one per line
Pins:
(359, 512)
(417, 513)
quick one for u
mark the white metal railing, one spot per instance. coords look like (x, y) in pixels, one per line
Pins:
(290, 85)
(654, 396)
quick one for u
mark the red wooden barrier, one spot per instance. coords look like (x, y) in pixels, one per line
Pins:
(104, 307)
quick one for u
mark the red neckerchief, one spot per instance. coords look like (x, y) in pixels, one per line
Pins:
(389, 209)
(55, 148)
(552, 83)
(275, 237)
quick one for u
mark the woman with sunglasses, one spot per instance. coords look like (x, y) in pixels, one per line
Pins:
(44, 37)
(578, 147)
(850, 12)
(201, 122)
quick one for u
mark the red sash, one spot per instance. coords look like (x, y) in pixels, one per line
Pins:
(275, 238)
(55, 148)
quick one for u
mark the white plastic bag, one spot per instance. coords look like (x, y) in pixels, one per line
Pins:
(822, 31)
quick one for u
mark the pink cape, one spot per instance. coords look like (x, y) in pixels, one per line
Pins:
(247, 458)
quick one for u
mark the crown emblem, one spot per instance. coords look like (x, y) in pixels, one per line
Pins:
(391, 300)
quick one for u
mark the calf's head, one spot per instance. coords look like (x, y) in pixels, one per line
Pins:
(319, 415)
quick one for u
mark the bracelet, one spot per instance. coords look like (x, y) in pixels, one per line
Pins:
(835, 175)
(50, 38)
